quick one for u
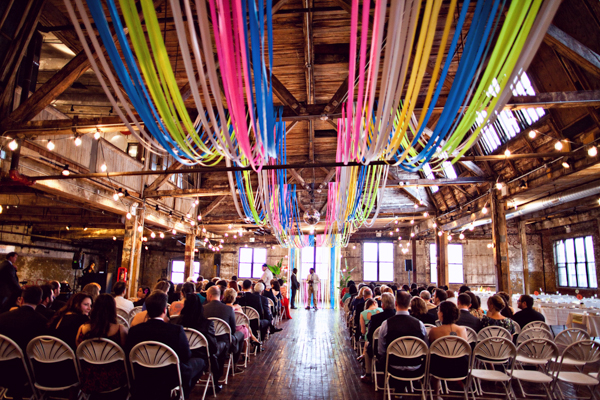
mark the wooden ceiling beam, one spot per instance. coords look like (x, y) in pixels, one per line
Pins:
(212, 206)
(574, 50)
(176, 166)
(150, 194)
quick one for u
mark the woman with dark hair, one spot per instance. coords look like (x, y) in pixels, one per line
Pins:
(142, 293)
(494, 315)
(507, 311)
(176, 306)
(66, 322)
(352, 291)
(103, 324)
(475, 309)
(172, 293)
(418, 309)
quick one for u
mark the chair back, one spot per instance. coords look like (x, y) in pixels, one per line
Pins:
(241, 319)
(251, 313)
(123, 313)
(46, 354)
(570, 336)
(584, 351)
(152, 357)
(451, 348)
(537, 324)
(407, 348)
(101, 351)
(10, 352)
(271, 304)
(534, 333)
(347, 305)
(122, 321)
(196, 340)
(517, 327)
(471, 335)
(542, 349)
(221, 327)
(428, 327)
(495, 350)
(493, 331)
(134, 311)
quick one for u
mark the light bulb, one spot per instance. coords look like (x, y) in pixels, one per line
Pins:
(412, 234)
(353, 247)
(13, 145)
(192, 223)
(416, 205)
(115, 197)
(222, 241)
(1, 209)
(499, 185)
(593, 151)
(66, 171)
(434, 225)
(412, 221)
(199, 217)
(532, 134)
(226, 234)
(425, 214)
(140, 229)
(440, 233)
(396, 222)
(229, 226)
(174, 231)
(484, 210)
(311, 230)
(68, 227)
(461, 236)
(103, 167)
(566, 165)
(235, 236)
(558, 145)
(188, 215)
(449, 237)
(397, 229)
(472, 227)
(391, 233)
(97, 135)
(203, 230)
(152, 235)
(114, 238)
(162, 235)
(50, 145)
(77, 141)
(489, 245)
(128, 216)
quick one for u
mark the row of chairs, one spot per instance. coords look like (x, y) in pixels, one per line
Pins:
(125, 318)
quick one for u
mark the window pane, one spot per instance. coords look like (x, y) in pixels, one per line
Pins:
(433, 262)
(323, 253)
(260, 256)
(572, 275)
(308, 255)
(455, 254)
(386, 272)
(370, 252)
(580, 250)
(245, 270)
(245, 255)
(559, 248)
(455, 273)
(370, 271)
(562, 276)
(592, 274)
(257, 270)
(177, 277)
(196, 272)
(581, 275)
(386, 252)
(178, 266)
(570, 250)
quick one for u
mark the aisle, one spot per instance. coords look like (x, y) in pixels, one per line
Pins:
(309, 359)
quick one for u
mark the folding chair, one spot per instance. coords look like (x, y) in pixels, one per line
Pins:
(97, 352)
(197, 340)
(242, 319)
(493, 331)
(123, 313)
(374, 361)
(11, 358)
(407, 348)
(254, 320)
(454, 349)
(429, 327)
(538, 352)
(537, 324)
(274, 312)
(585, 351)
(497, 352)
(471, 336)
(53, 365)
(153, 357)
(223, 328)
(134, 311)
(566, 338)
(122, 321)
(534, 333)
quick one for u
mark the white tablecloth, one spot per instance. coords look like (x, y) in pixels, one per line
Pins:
(556, 315)
(586, 321)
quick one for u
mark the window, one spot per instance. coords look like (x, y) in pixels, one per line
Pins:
(135, 150)
(378, 262)
(575, 262)
(449, 170)
(429, 174)
(251, 261)
(433, 262)
(313, 257)
(178, 268)
(455, 263)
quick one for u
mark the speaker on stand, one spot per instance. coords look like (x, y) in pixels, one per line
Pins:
(409, 267)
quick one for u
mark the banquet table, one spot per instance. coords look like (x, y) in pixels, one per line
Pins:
(586, 321)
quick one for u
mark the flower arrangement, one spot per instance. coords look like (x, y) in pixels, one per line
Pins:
(344, 276)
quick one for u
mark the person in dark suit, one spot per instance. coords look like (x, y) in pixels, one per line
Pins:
(465, 318)
(47, 299)
(439, 296)
(156, 329)
(21, 325)
(258, 290)
(249, 299)
(295, 287)
(527, 313)
(57, 304)
(9, 282)
(214, 308)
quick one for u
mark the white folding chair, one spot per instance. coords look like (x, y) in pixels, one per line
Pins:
(537, 324)
(123, 313)
(134, 311)
(153, 355)
(100, 351)
(566, 338)
(346, 305)
(538, 352)
(374, 361)
(429, 327)
(254, 318)
(471, 335)
(9, 352)
(534, 333)
(451, 348)
(517, 327)
(197, 340)
(223, 328)
(47, 353)
(122, 321)
(493, 331)
(242, 319)
(274, 312)
(496, 351)
(406, 348)
(585, 351)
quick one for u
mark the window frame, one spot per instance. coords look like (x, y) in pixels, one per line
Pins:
(252, 263)
(565, 266)
(183, 262)
(433, 264)
(462, 265)
(378, 261)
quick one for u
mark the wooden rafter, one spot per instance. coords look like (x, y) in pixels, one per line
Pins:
(574, 50)
(212, 206)
(163, 178)
(186, 193)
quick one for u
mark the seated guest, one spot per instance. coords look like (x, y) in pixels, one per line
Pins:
(443, 367)
(401, 325)
(192, 316)
(418, 309)
(66, 322)
(438, 296)
(103, 324)
(507, 311)
(229, 297)
(475, 308)
(21, 325)
(249, 299)
(451, 296)
(527, 313)
(47, 299)
(164, 286)
(371, 309)
(426, 296)
(465, 318)
(173, 292)
(186, 289)
(359, 307)
(494, 315)
(285, 301)
(57, 304)
(120, 300)
(214, 308)
(387, 303)
(269, 293)
(91, 289)
(171, 335)
(463, 289)
(352, 291)
(142, 293)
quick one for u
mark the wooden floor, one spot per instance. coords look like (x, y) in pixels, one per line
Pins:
(310, 359)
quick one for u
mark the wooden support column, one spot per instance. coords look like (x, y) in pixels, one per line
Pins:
(523, 240)
(500, 244)
(190, 248)
(132, 250)
(441, 248)
(413, 253)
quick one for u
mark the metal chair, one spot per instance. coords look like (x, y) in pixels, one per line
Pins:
(493, 331)
(134, 311)
(47, 353)
(374, 361)
(537, 324)
(223, 328)
(566, 338)
(429, 327)
(100, 351)
(452, 348)
(122, 321)
(123, 313)
(152, 356)
(538, 352)
(242, 319)
(197, 340)
(9, 353)
(407, 348)
(471, 335)
(496, 351)
(254, 320)
(274, 312)
(534, 333)
(585, 351)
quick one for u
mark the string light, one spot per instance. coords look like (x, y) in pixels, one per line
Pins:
(484, 210)
(412, 221)
(507, 153)
(128, 216)
(199, 217)
(226, 234)
(77, 141)
(235, 236)
(461, 236)
(66, 171)
(489, 245)
(1, 209)
(174, 231)
(203, 230)
(146, 247)
(593, 151)
(425, 214)
(140, 229)
(440, 233)
(114, 238)
(566, 165)
(449, 237)
(391, 233)
(115, 197)
(416, 205)
(97, 134)
(188, 215)
(532, 134)
(229, 226)
(499, 185)
(558, 145)
(103, 167)
(50, 145)
(472, 227)
(162, 235)
(68, 227)
(434, 225)
(152, 235)
(412, 234)
(192, 223)
(13, 145)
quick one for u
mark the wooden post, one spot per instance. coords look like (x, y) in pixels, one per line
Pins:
(413, 253)
(190, 247)
(523, 240)
(500, 245)
(441, 247)
(132, 250)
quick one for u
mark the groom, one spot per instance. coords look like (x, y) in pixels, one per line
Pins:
(313, 284)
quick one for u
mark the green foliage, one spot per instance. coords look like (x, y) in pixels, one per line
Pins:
(345, 276)
(276, 269)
